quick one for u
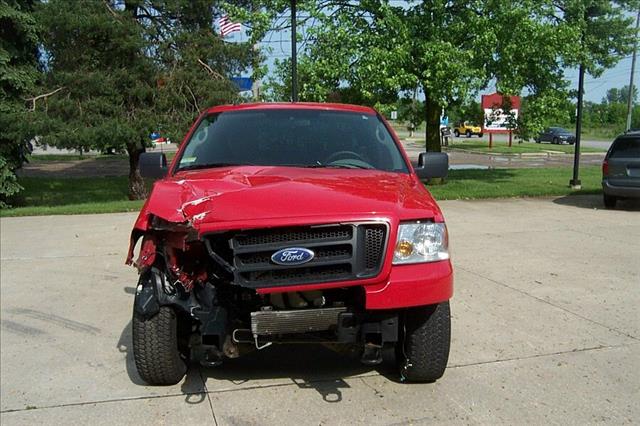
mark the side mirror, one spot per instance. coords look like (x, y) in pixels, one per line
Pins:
(432, 165)
(153, 165)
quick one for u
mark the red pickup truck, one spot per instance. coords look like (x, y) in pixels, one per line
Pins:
(291, 222)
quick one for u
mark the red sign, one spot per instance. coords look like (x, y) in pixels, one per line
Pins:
(495, 119)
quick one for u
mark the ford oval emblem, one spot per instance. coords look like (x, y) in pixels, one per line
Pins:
(292, 256)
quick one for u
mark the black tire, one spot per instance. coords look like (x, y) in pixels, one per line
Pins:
(155, 348)
(479, 135)
(457, 133)
(555, 141)
(423, 351)
(610, 201)
(537, 140)
(468, 133)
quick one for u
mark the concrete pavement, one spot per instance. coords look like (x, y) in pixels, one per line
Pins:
(545, 330)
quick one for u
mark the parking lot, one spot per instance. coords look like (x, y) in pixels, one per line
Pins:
(546, 329)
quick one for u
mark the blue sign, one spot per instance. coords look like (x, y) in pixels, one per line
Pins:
(292, 256)
(154, 136)
(444, 120)
(243, 83)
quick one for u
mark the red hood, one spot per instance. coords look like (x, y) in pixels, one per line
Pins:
(250, 196)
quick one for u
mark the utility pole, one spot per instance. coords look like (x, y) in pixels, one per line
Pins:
(575, 182)
(294, 54)
(633, 70)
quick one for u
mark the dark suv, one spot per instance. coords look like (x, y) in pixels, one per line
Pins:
(621, 169)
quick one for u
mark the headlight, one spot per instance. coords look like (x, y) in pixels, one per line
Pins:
(421, 242)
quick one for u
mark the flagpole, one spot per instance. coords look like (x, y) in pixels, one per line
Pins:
(294, 54)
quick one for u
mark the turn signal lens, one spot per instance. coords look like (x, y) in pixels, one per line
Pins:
(404, 249)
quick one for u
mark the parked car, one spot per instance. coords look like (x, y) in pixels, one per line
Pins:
(292, 222)
(467, 129)
(621, 169)
(556, 135)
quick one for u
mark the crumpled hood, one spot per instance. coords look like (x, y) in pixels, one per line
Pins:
(214, 197)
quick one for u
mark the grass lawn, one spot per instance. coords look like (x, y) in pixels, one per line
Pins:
(517, 148)
(505, 183)
(46, 196)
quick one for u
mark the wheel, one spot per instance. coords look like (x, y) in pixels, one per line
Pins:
(555, 141)
(468, 133)
(456, 133)
(155, 348)
(610, 201)
(537, 140)
(423, 351)
(479, 135)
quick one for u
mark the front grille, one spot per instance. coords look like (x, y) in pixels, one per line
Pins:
(294, 235)
(342, 252)
(373, 245)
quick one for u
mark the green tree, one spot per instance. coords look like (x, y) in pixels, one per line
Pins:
(615, 95)
(18, 76)
(452, 50)
(127, 68)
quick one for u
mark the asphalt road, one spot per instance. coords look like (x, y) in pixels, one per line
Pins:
(546, 329)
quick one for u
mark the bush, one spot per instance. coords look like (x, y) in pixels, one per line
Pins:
(8, 184)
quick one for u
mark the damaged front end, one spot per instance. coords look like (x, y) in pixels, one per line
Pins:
(213, 284)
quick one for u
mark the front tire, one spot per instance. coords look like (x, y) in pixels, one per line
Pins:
(610, 201)
(423, 351)
(480, 135)
(457, 133)
(468, 133)
(155, 348)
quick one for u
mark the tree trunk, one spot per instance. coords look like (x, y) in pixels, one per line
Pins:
(137, 190)
(432, 124)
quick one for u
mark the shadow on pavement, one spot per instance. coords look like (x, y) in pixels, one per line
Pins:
(595, 202)
(309, 366)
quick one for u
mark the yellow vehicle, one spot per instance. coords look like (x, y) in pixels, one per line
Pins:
(468, 129)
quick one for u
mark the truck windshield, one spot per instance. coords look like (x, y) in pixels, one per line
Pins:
(292, 137)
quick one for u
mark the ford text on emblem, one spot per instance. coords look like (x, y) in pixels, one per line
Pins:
(292, 256)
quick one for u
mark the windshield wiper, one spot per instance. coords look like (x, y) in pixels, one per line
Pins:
(210, 166)
(341, 166)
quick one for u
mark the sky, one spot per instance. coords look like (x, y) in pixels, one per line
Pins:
(596, 88)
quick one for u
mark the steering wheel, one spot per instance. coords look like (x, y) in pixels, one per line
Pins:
(344, 154)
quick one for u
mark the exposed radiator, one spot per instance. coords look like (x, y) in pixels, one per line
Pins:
(264, 323)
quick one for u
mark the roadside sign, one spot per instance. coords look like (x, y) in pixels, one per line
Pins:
(244, 83)
(394, 115)
(495, 119)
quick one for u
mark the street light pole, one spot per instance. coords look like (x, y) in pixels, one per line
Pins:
(633, 70)
(575, 182)
(294, 54)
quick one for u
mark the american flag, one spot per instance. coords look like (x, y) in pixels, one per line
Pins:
(228, 27)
